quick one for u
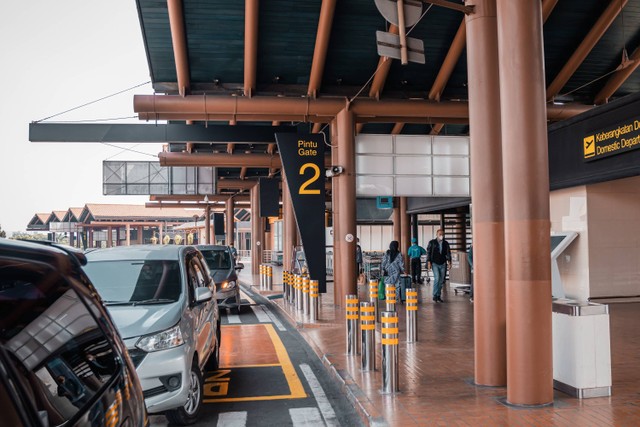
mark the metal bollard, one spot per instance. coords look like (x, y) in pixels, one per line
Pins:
(285, 289)
(368, 336)
(262, 276)
(314, 305)
(305, 294)
(390, 292)
(352, 323)
(390, 378)
(269, 278)
(373, 296)
(294, 284)
(412, 314)
(299, 293)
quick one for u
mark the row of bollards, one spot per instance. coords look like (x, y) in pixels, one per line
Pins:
(302, 293)
(266, 277)
(368, 315)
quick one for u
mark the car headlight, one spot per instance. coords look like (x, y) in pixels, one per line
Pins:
(228, 285)
(168, 338)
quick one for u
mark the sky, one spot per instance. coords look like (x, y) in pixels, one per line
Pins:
(56, 55)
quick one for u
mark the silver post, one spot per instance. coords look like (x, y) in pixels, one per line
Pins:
(373, 296)
(368, 336)
(305, 295)
(285, 286)
(294, 285)
(412, 314)
(269, 278)
(299, 293)
(261, 276)
(390, 378)
(352, 323)
(390, 292)
(313, 301)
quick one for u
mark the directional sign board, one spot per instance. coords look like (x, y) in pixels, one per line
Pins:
(389, 10)
(389, 45)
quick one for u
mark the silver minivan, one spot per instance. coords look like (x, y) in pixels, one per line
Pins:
(162, 300)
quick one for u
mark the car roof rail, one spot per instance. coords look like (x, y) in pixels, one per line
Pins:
(75, 253)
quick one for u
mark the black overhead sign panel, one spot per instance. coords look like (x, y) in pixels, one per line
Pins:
(303, 162)
(612, 140)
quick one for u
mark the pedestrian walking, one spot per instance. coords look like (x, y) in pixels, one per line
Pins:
(415, 252)
(438, 259)
(393, 267)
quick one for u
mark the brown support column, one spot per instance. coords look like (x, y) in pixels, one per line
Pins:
(257, 230)
(395, 218)
(526, 203)
(109, 237)
(207, 225)
(486, 196)
(128, 234)
(345, 228)
(230, 222)
(90, 235)
(335, 210)
(140, 238)
(289, 225)
(405, 232)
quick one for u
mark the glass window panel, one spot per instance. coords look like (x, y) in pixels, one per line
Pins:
(451, 166)
(374, 185)
(413, 165)
(374, 165)
(413, 144)
(450, 186)
(113, 189)
(113, 172)
(374, 144)
(179, 175)
(451, 145)
(413, 186)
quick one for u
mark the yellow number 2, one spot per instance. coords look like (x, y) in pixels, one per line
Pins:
(314, 178)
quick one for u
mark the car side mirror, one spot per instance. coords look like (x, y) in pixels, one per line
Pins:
(239, 266)
(203, 295)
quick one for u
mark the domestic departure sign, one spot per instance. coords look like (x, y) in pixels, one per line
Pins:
(303, 162)
(613, 140)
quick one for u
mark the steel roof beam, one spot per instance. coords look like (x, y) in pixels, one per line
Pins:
(618, 78)
(251, 14)
(179, 41)
(198, 197)
(322, 46)
(582, 51)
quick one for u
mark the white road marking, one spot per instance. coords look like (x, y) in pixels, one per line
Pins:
(274, 319)
(321, 398)
(245, 295)
(306, 417)
(260, 314)
(232, 419)
(233, 318)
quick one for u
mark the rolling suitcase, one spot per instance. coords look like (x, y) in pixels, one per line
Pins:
(405, 282)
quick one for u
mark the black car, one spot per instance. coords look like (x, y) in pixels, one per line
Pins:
(223, 267)
(61, 359)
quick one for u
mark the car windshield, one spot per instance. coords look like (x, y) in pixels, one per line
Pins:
(136, 282)
(217, 259)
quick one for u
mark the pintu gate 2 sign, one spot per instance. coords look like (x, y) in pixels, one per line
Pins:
(613, 140)
(303, 162)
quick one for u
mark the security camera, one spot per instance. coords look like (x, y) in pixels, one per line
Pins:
(334, 171)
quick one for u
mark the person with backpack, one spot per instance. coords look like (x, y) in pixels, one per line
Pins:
(414, 253)
(438, 259)
(393, 267)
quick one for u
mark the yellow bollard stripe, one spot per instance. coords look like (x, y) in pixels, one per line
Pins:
(367, 318)
(390, 341)
(412, 308)
(389, 330)
(352, 316)
(389, 320)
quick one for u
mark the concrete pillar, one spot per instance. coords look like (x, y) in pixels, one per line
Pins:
(229, 222)
(395, 218)
(140, 238)
(345, 228)
(71, 239)
(405, 232)
(127, 231)
(90, 235)
(257, 230)
(109, 236)
(486, 195)
(289, 225)
(207, 225)
(160, 233)
(526, 203)
(335, 211)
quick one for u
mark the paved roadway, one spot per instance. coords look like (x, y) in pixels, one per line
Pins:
(268, 376)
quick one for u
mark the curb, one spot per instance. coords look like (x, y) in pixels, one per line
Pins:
(368, 414)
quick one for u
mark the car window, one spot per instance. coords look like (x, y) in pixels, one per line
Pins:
(136, 281)
(59, 354)
(217, 259)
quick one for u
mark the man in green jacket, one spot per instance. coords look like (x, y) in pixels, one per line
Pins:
(415, 252)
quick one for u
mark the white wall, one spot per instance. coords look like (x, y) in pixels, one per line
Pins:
(378, 237)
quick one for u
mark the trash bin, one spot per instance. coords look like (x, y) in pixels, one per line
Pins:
(581, 348)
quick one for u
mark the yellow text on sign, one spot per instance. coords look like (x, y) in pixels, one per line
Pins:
(316, 175)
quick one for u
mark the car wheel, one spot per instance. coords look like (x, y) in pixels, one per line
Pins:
(188, 413)
(238, 307)
(214, 359)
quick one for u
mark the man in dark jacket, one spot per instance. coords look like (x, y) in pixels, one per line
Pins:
(438, 258)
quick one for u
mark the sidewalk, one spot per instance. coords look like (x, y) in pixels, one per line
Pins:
(436, 373)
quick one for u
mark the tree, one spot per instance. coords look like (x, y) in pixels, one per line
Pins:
(27, 236)
(2, 232)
